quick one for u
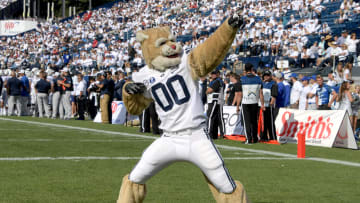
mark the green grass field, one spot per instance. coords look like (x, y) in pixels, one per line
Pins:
(52, 163)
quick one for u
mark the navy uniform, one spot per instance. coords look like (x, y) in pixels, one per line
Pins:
(233, 88)
(118, 89)
(65, 97)
(111, 86)
(147, 114)
(1, 97)
(251, 89)
(269, 92)
(1, 86)
(105, 100)
(56, 89)
(43, 88)
(14, 86)
(25, 95)
(215, 105)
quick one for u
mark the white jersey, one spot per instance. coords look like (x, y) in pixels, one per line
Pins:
(313, 91)
(295, 92)
(303, 97)
(176, 95)
(34, 80)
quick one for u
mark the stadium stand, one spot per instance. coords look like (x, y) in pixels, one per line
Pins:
(309, 35)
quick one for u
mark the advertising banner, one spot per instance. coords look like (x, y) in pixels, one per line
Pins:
(321, 128)
(14, 27)
(233, 122)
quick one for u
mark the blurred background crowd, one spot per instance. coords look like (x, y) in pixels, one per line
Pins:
(84, 57)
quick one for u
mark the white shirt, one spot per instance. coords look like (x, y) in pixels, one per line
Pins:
(303, 97)
(313, 87)
(346, 74)
(351, 44)
(81, 87)
(331, 83)
(295, 92)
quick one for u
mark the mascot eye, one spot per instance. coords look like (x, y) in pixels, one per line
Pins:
(162, 43)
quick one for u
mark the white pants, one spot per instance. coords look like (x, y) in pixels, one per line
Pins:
(42, 101)
(11, 102)
(192, 145)
(65, 105)
(24, 106)
(55, 103)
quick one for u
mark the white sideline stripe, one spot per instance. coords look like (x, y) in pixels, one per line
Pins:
(122, 158)
(65, 158)
(81, 128)
(333, 161)
(70, 140)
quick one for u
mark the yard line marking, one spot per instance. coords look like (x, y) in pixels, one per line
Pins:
(332, 161)
(122, 158)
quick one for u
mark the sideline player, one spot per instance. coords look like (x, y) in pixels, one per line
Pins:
(251, 91)
(215, 97)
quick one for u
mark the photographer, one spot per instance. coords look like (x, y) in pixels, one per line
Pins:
(105, 97)
(93, 101)
(80, 93)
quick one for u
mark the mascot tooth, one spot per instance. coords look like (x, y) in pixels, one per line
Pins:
(170, 80)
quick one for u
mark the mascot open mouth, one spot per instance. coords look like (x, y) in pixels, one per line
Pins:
(173, 56)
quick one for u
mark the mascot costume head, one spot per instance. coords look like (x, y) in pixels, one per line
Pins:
(161, 53)
(159, 48)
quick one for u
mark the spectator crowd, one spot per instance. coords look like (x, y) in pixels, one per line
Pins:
(73, 68)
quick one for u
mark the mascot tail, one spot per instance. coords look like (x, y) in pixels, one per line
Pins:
(238, 196)
(131, 192)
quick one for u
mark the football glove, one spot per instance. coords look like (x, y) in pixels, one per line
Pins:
(236, 21)
(135, 88)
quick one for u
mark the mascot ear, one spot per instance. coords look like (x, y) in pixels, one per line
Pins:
(140, 36)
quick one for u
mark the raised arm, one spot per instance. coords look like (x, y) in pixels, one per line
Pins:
(208, 55)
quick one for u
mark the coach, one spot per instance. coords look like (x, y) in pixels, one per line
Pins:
(215, 93)
(250, 92)
(105, 96)
(13, 87)
(56, 90)
(67, 86)
(270, 93)
(42, 88)
(80, 93)
(24, 94)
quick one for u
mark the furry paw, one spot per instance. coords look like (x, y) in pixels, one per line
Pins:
(135, 88)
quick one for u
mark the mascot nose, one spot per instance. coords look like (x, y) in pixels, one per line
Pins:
(173, 46)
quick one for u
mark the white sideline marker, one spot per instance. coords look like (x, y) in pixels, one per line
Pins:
(291, 156)
(71, 140)
(123, 158)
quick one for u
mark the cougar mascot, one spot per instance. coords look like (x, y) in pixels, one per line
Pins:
(170, 80)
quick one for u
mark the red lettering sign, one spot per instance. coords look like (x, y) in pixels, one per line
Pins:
(114, 107)
(313, 127)
(9, 25)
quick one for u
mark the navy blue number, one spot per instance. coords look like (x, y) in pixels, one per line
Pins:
(166, 94)
(170, 85)
(181, 81)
